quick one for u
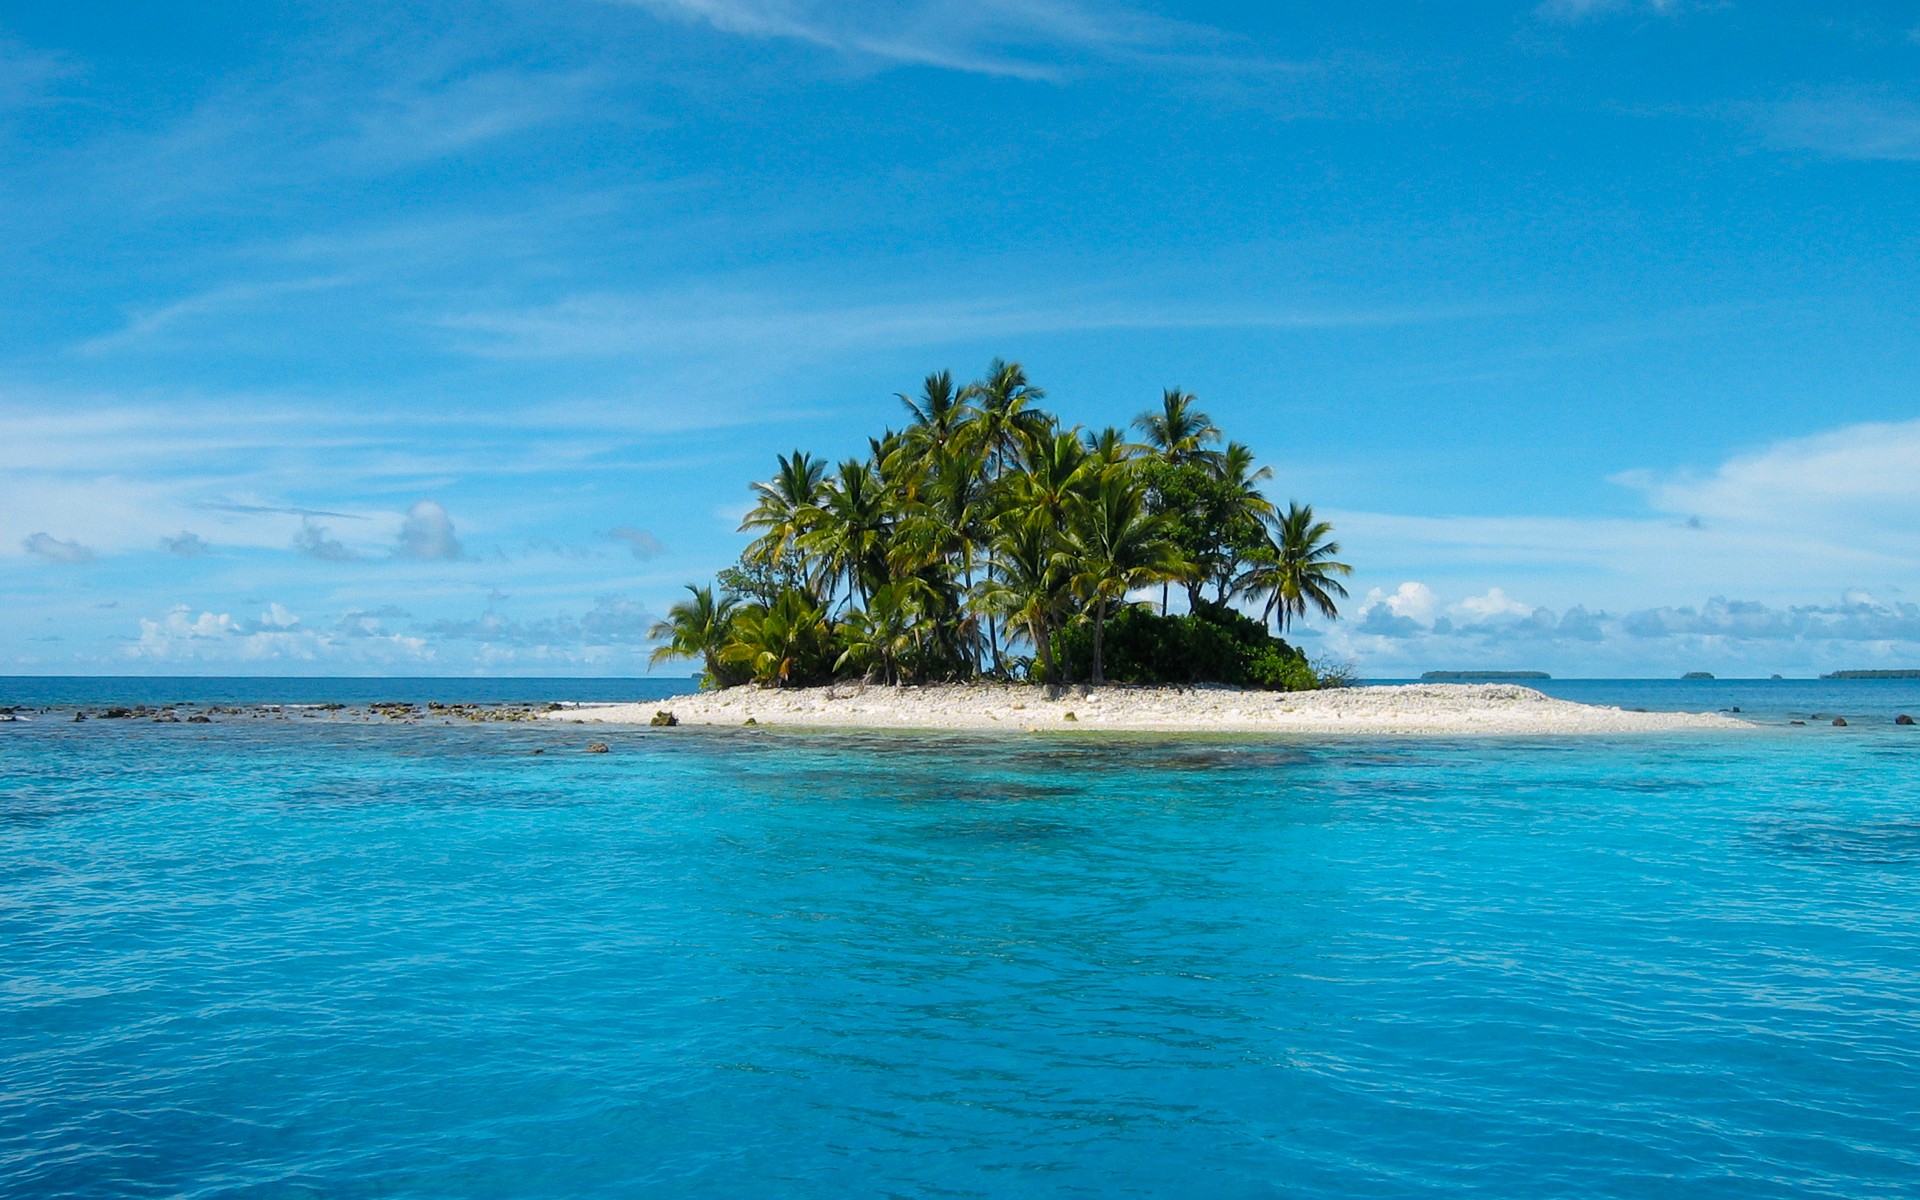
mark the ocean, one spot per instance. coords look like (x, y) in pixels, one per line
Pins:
(298, 957)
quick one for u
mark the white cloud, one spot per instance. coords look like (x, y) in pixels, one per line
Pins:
(1495, 603)
(181, 636)
(427, 534)
(48, 548)
(1869, 471)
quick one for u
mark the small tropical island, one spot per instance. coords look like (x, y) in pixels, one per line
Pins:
(985, 541)
(987, 566)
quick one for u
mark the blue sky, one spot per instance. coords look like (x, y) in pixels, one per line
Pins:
(439, 339)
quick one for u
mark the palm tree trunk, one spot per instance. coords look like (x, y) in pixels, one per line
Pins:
(1099, 637)
(1038, 629)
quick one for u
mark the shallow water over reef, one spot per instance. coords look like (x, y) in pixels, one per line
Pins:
(297, 958)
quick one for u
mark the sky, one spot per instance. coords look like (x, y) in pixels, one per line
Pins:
(444, 339)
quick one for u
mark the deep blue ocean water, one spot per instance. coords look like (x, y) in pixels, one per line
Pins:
(303, 957)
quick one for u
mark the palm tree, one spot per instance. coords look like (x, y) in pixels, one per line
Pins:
(1179, 430)
(880, 633)
(1110, 446)
(1032, 589)
(1117, 545)
(1297, 567)
(1244, 509)
(848, 530)
(1004, 403)
(1053, 471)
(778, 642)
(695, 628)
(939, 414)
(783, 505)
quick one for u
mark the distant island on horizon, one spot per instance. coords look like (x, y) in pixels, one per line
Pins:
(1899, 674)
(1481, 676)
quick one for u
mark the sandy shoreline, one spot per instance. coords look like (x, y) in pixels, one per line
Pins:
(1428, 708)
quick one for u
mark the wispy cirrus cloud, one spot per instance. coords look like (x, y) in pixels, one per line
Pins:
(1580, 10)
(230, 302)
(1844, 124)
(683, 322)
(1022, 39)
(29, 78)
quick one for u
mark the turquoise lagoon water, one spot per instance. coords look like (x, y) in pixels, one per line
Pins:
(305, 958)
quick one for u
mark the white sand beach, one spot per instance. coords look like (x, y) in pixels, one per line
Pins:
(1428, 708)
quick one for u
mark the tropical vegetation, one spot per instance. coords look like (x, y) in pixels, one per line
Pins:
(985, 539)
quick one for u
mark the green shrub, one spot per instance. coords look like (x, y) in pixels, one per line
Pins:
(1212, 644)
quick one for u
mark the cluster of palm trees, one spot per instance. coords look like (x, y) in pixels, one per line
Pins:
(983, 527)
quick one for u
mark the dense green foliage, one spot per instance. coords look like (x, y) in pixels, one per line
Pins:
(984, 528)
(1211, 644)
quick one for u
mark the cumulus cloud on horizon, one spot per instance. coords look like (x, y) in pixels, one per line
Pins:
(613, 620)
(1413, 610)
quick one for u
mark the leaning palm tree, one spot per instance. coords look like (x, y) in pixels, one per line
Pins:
(696, 628)
(1117, 545)
(1297, 568)
(1179, 431)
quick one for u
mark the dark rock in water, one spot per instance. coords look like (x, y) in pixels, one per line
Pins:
(751, 721)
(1796, 722)
(114, 714)
(199, 719)
(538, 751)
(1735, 708)
(597, 748)
(1903, 719)
(1839, 720)
(664, 718)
